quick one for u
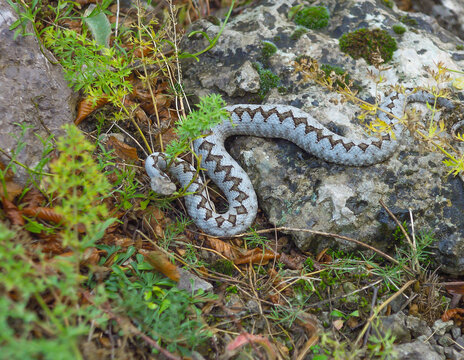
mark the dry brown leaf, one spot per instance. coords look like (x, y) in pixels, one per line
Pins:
(226, 249)
(338, 324)
(455, 288)
(292, 262)
(323, 258)
(86, 107)
(12, 190)
(452, 314)
(91, 256)
(33, 198)
(257, 256)
(12, 212)
(9, 173)
(161, 263)
(249, 339)
(121, 149)
(43, 213)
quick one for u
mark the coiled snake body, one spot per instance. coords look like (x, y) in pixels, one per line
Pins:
(273, 121)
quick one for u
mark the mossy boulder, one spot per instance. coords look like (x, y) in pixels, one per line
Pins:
(363, 43)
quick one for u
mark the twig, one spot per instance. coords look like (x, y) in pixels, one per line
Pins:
(374, 300)
(382, 306)
(403, 230)
(336, 236)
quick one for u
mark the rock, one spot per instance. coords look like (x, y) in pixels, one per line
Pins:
(453, 354)
(396, 324)
(456, 332)
(33, 93)
(416, 350)
(192, 283)
(445, 340)
(448, 13)
(297, 190)
(460, 341)
(440, 327)
(417, 327)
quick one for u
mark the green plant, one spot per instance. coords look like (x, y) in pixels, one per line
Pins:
(268, 49)
(98, 23)
(363, 43)
(388, 3)
(267, 80)
(407, 20)
(209, 113)
(459, 47)
(162, 311)
(312, 17)
(298, 32)
(399, 29)
(79, 187)
(26, 282)
(27, 14)
(86, 65)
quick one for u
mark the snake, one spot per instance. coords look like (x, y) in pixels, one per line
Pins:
(269, 121)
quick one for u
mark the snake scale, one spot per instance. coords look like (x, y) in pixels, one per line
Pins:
(272, 121)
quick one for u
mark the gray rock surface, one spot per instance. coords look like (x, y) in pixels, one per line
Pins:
(448, 13)
(192, 283)
(33, 93)
(297, 190)
(416, 350)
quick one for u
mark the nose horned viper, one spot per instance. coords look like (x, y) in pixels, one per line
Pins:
(272, 121)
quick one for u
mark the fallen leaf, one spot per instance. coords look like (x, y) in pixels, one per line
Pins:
(452, 314)
(249, 339)
(162, 263)
(456, 287)
(91, 256)
(338, 324)
(11, 190)
(12, 212)
(33, 198)
(226, 249)
(43, 213)
(121, 149)
(257, 256)
(86, 107)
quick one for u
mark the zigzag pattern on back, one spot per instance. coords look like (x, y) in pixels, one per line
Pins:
(256, 120)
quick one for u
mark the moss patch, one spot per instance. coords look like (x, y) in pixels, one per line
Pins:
(363, 43)
(267, 80)
(299, 32)
(313, 17)
(405, 19)
(399, 29)
(268, 49)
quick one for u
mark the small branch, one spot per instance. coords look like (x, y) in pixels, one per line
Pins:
(336, 236)
(381, 307)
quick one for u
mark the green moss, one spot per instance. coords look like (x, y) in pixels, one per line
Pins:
(363, 43)
(313, 17)
(267, 80)
(407, 20)
(225, 267)
(388, 3)
(268, 49)
(299, 32)
(337, 70)
(399, 29)
(459, 47)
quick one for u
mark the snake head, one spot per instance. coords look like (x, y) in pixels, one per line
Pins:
(160, 181)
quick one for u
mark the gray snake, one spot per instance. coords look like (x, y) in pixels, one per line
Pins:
(272, 121)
